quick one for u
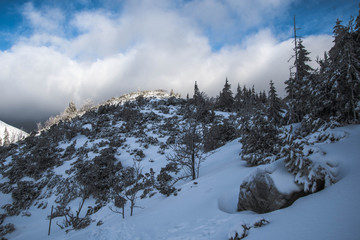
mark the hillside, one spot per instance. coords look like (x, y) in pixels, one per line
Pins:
(83, 160)
(10, 134)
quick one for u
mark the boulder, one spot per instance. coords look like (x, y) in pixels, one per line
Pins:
(259, 193)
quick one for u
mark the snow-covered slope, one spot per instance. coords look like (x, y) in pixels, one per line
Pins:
(13, 134)
(206, 208)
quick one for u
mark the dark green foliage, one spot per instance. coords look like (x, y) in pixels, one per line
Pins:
(97, 176)
(225, 100)
(345, 71)
(24, 194)
(166, 180)
(274, 106)
(313, 175)
(218, 134)
(70, 150)
(8, 228)
(334, 89)
(296, 86)
(309, 124)
(260, 140)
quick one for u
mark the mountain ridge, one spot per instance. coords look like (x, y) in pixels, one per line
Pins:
(10, 134)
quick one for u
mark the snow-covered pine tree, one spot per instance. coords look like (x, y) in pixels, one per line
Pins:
(298, 94)
(71, 110)
(260, 141)
(6, 137)
(345, 71)
(314, 175)
(319, 87)
(274, 105)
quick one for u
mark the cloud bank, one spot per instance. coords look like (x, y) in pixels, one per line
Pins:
(99, 54)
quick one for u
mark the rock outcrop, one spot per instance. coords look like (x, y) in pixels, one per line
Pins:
(259, 193)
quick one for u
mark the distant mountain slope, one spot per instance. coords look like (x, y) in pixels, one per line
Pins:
(10, 134)
(85, 165)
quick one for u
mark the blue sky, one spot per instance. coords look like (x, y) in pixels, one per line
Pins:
(315, 17)
(53, 52)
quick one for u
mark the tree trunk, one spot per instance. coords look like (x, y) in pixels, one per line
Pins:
(132, 207)
(193, 165)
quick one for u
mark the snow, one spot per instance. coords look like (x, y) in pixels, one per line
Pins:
(87, 126)
(207, 209)
(283, 180)
(15, 134)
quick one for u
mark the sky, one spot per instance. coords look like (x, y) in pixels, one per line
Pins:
(53, 52)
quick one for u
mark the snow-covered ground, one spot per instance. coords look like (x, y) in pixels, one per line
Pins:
(206, 208)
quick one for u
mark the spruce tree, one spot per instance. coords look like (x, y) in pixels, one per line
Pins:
(274, 106)
(320, 87)
(298, 95)
(198, 96)
(238, 99)
(345, 72)
(6, 137)
(260, 141)
(226, 100)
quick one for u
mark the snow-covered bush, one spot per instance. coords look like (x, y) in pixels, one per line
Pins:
(241, 231)
(307, 165)
(309, 125)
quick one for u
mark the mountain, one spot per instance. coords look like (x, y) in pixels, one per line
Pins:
(123, 157)
(10, 134)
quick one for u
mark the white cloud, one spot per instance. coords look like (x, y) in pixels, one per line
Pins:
(145, 48)
(49, 19)
(232, 16)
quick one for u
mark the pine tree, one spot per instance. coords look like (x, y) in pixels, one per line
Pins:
(70, 111)
(6, 137)
(238, 99)
(226, 100)
(320, 87)
(298, 94)
(259, 140)
(197, 97)
(345, 72)
(274, 106)
(198, 107)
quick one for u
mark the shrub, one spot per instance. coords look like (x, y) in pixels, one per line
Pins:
(8, 228)
(24, 194)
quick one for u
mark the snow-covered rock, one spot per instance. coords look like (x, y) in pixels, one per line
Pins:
(260, 194)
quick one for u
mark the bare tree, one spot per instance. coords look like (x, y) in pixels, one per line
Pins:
(188, 150)
(132, 184)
